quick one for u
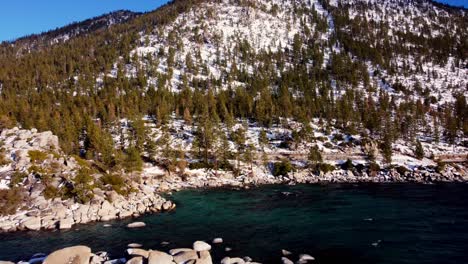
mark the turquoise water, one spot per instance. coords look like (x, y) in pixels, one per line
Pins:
(334, 223)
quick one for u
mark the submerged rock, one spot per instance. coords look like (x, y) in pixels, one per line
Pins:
(136, 225)
(134, 245)
(217, 240)
(201, 246)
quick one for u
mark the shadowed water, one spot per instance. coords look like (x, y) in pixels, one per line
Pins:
(334, 223)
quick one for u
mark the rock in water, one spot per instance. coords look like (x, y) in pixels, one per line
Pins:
(137, 252)
(237, 261)
(134, 245)
(185, 256)
(201, 246)
(285, 252)
(66, 223)
(135, 260)
(32, 223)
(217, 240)
(75, 255)
(226, 260)
(205, 258)
(285, 260)
(136, 225)
(176, 251)
(305, 258)
(158, 257)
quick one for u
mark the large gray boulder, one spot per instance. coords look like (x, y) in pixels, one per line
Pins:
(136, 225)
(205, 258)
(185, 256)
(32, 223)
(158, 257)
(176, 251)
(135, 260)
(237, 261)
(201, 246)
(75, 255)
(137, 252)
(66, 223)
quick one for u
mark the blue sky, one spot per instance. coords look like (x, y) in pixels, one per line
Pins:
(23, 17)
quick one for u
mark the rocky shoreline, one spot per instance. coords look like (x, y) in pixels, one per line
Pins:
(33, 153)
(107, 206)
(198, 254)
(58, 214)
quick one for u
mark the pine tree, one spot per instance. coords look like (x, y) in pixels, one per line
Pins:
(133, 160)
(314, 156)
(419, 150)
(386, 147)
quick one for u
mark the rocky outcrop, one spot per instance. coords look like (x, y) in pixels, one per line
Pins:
(76, 255)
(56, 213)
(199, 254)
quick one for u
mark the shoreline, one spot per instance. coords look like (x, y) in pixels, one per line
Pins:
(153, 196)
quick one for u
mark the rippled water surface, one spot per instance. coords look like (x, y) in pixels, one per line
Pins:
(334, 223)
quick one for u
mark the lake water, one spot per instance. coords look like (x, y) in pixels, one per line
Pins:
(394, 223)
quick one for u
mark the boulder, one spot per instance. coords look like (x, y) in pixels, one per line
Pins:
(135, 260)
(32, 223)
(237, 261)
(6, 262)
(217, 240)
(167, 206)
(75, 255)
(185, 256)
(285, 260)
(158, 257)
(116, 261)
(178, 250)
(226, 260)
(134, 245)
(201, 246)
(66, 223)
(305, 258)
(205, 258)
(137, 252)
(285, 252)
(136, 225)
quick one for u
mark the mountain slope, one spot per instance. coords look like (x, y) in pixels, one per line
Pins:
(61, 35)
(385, 69)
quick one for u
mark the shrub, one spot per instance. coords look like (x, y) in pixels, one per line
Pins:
(338, 137)
(3, 159)
(419, 150)
(37, 156)
(17, 178)
(374, 167)
(322, 167)
(440, 166)
(401, 170)
(10, 200)
(116, 181)
(348, 165)
(50, 192)
(282, 168)
(82, 188)
(200, 165)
